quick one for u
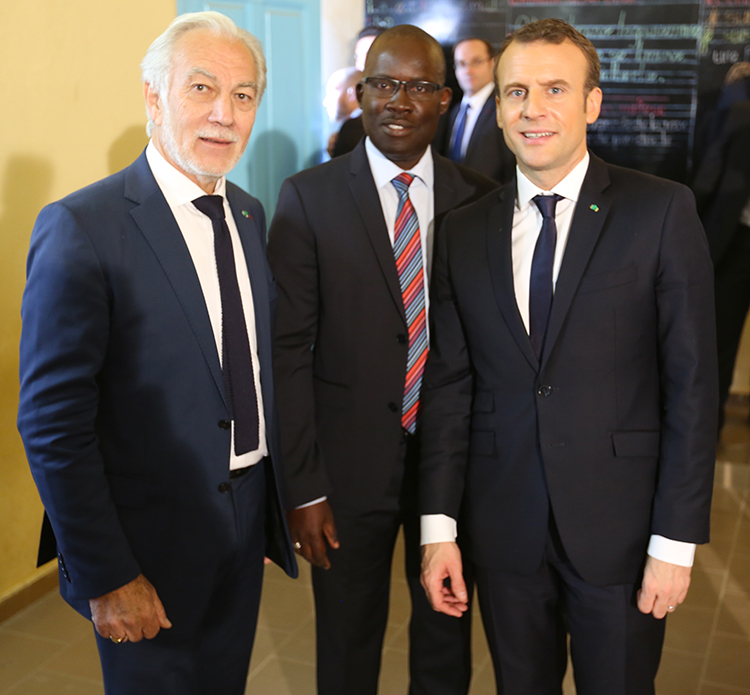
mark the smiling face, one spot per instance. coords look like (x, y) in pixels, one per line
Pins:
(400, 128)
(543, 108)
(203, 124)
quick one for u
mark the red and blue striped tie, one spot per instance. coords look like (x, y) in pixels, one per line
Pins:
(407, 250)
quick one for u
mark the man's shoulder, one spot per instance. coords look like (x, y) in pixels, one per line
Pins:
(446, 170)
(320, 176)
(626, 181)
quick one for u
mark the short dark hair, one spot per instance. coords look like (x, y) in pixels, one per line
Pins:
(412, 33)
(370, 31)
(552, 30)
(490, 48)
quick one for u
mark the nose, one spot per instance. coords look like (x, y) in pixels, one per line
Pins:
(400, 100)
(222, 111)
(533, 105)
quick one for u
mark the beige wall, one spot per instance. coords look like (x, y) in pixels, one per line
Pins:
(72, 113)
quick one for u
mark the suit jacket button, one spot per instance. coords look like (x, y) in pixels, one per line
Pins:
(544, 391)
(401, 339)
(224, 424)
(224, 487)
(392, 407)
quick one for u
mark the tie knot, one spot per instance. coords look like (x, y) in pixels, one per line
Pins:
(402, 183)
(546, 204)
(211, 205)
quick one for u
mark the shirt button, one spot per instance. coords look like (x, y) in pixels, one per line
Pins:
(392, 407)
(224, 487)
(545, 391)
(224, 424)
(401, 339)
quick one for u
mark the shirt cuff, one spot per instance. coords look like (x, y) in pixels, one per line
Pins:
(310, 504)
(674, 552)
(437, 528)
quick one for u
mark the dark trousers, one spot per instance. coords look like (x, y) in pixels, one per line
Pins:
(351, 602)
(615, 649)
(732, 288)
(207, 651)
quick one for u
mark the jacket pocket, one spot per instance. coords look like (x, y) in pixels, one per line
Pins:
(603, 281)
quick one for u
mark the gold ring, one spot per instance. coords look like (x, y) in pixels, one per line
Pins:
(297, 545)
(118, 640)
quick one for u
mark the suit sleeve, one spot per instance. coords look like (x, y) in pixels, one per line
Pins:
(292, 255)
(688, 373)
(446, 395)
(65, 312)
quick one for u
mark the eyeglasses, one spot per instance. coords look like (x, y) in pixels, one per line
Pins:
(387, 88)
(475, 63)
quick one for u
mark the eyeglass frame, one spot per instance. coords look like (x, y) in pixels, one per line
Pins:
(398, 84)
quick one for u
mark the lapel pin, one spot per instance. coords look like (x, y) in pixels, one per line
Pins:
(595, 208)
(245, 213)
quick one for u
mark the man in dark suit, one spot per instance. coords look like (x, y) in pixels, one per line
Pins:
(147, 405)
(472, 136)
(569, 397)
(722, 194)
(351, 343)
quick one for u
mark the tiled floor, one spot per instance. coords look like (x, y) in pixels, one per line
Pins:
(49, 650)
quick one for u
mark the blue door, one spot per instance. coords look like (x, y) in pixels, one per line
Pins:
(287, 136)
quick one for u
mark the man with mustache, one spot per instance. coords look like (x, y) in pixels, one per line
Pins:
(146, 383)
(350, 247)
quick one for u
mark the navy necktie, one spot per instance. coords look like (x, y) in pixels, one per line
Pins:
(540, 285)
(459, 128)
(237, 362)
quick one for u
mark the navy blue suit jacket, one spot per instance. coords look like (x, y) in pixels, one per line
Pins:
(122, 392)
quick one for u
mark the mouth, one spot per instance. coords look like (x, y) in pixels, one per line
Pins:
(397, 128)
(537, 135)
(220, 142)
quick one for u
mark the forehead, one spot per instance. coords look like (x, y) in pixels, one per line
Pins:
(200, 50)
(405, 59)
(542, 62)
(470, 49)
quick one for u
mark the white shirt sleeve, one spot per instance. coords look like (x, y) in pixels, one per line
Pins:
(437, 528)
(674, 552)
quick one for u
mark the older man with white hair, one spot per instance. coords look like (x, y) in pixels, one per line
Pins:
(146, 385)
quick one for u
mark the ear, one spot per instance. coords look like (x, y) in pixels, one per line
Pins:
(593, 105)
(153, 103)
(498, 113)
(360, 89)
(445, 99)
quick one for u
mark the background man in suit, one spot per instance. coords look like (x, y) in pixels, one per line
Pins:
(340, 100)
(146, 382)
(722, 194)
(472, 136)
(577, 432)
(351, 343)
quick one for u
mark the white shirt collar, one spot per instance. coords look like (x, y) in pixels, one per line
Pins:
(477, 100)
(174, 184)
(384, 170)
(569, 187)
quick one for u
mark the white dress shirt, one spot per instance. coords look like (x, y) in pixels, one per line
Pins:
(198, 233)
(475, 102)
(527, 224)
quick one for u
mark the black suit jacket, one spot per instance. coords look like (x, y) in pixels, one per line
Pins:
(722, 183)
(486, 152)
(341, 343)
(351, 132)
(615, 429)
(122, 398)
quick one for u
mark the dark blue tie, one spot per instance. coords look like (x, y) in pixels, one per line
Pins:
(458, 134)
(237, 361)
(540, 285)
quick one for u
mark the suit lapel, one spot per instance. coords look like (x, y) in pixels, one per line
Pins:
(591, 212)
(499, 254)
(250, 231)
(155, 220)
(362, 187)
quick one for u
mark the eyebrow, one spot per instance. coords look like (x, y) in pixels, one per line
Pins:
(211, 76)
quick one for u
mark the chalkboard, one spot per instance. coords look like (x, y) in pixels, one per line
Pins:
(663, 63)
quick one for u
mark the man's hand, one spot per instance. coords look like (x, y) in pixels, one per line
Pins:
(311, 527)
(131, 612)
(664, 587)
(441, 561)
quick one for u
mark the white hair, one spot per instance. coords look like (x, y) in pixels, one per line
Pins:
(156, 66)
